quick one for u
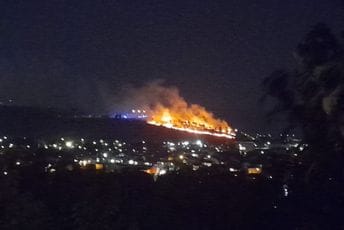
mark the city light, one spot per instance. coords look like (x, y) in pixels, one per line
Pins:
(69, 144)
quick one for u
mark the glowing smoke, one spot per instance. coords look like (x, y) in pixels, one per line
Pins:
(164, 106)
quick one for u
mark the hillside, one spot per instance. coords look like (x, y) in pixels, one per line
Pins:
(48, 123)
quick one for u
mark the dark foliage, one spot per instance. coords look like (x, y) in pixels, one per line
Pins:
(312, 96)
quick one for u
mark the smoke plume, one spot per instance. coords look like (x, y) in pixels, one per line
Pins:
(165, 106)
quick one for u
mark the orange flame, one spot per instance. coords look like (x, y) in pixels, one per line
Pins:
(190, 118)
(165, 107)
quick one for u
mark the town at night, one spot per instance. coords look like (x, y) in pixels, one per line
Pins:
(172, 115)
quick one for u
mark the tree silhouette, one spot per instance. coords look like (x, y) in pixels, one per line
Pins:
(21, 210)
(312, 94)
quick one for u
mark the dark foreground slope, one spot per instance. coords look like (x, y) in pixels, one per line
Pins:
(189, 200)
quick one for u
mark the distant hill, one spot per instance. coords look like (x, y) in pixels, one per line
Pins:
(50, 123)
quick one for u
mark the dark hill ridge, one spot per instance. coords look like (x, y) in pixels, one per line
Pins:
(47, 123)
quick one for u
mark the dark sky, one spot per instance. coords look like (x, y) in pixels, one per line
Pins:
(78, 54)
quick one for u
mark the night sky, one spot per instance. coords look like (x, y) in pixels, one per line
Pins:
(80, 54)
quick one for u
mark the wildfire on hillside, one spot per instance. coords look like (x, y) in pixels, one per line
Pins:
(165, 107)
(193, 119)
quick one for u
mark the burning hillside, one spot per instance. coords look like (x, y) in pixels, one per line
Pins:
(165, 107)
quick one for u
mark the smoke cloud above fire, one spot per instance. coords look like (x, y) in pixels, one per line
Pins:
(166, 107)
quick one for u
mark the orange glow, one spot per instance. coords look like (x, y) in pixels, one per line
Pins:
(151, 171)
(99, 166)
(165, 107)
(193, 119)
(254, 170)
